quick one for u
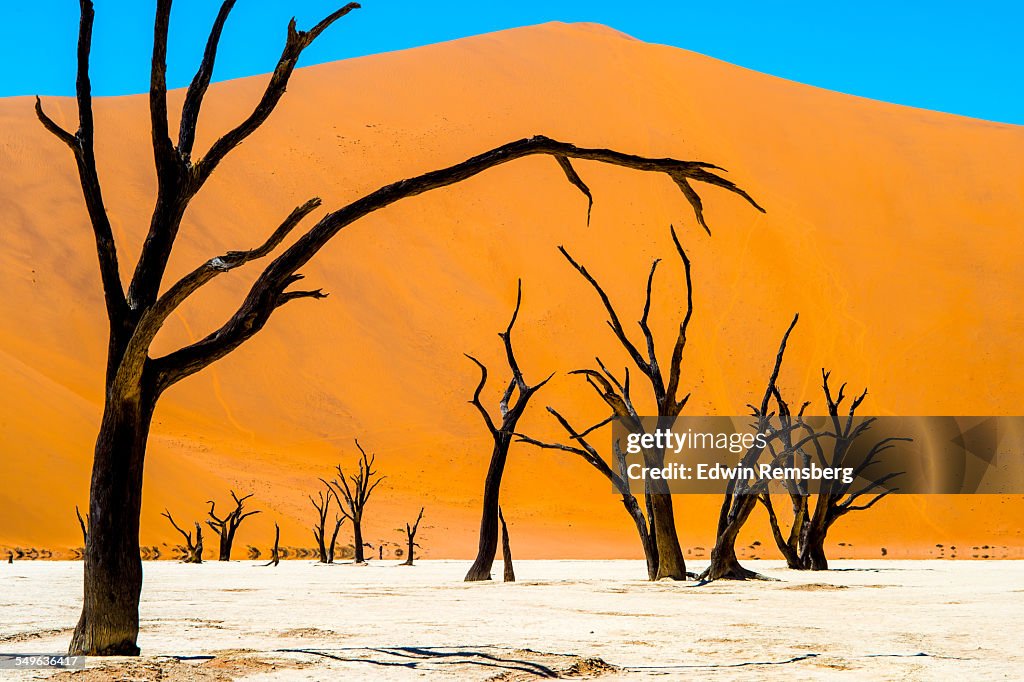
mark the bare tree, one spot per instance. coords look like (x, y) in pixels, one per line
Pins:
(227, 526)
(134, 381)
(322, 504)
(84, 525)
(666, 392)
(275, 553)
(339, 519)
(741, 495)
(410, 539)
(352, 498)
(805, 546)
(616, 476)
(501, 434)
(506, 551)
(193, 551)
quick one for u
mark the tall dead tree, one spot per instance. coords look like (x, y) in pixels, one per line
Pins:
(501, 434)
(666, 390)
(836, 498)
(617, 476)
(410, 539)
(352, 498)
(134, 381)
(741, 495)
(193, 550)
(227, 526)
(509, 573)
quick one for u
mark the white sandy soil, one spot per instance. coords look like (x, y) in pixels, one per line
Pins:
(576, 619)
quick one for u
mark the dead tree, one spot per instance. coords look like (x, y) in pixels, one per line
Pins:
(275, 554)
(227, 526)
(741, 495)
(666, 390)
(134, 381)
(339, 519)
(352, 498)
(322, 504)
(193, 553)
(506, 551)
(410, 539)
(837, 498)
(84, 525)
(616, 476)
(501, 435)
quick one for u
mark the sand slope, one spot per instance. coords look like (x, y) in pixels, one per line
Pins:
(894, 232)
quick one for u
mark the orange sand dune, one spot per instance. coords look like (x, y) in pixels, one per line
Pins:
(894, 232)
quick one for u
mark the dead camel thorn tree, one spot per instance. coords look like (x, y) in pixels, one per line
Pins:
(501, 434)
(322, 504)
(352, 498)
(741, 495)
(661, 547)
(805, 546)
(275, 553)
(227, 526)
(508, 573)
(134, 381)
(410, 539)
(193, 550)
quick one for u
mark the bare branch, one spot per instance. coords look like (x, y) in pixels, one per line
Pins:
(296, 42)
(200, 82)
(476, 395)
(576, 181)
(48, 123)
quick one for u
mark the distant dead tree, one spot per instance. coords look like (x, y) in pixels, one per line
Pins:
(227, 526)
(741, 495)
(322, 505)
(805, 546)
(410, 539)
(352, 498)
(193, 553)
(134, 381)
(501, 434)
(667, 393)
(617, 477)
(275, 554)
(506, 551)
(84, 525)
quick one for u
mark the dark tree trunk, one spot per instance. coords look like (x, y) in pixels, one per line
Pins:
(109, 624)
(506, 551)
(357, 531)
(334, 539)
(275, 554)
(410, 555)
(488, 544)
(646, 539)
(813, 554)
(670, 555)
(724, 563)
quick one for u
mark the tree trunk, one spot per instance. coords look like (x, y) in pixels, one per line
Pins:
(409, 556)
(650, 550)
(357, 530)
(109, 624)
(488, 546)
(813, 554)
(506, 551)
(670, 555)
(724, 564)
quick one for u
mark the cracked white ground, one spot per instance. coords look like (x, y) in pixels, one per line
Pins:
(240, 620)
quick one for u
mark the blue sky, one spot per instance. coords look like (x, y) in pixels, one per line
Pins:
(959, 57)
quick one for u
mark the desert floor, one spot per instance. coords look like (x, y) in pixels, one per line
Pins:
(239, 620)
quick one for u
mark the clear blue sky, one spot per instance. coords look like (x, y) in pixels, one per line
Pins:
(960, 57)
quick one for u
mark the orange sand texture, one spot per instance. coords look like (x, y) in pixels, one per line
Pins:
(894, 232)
